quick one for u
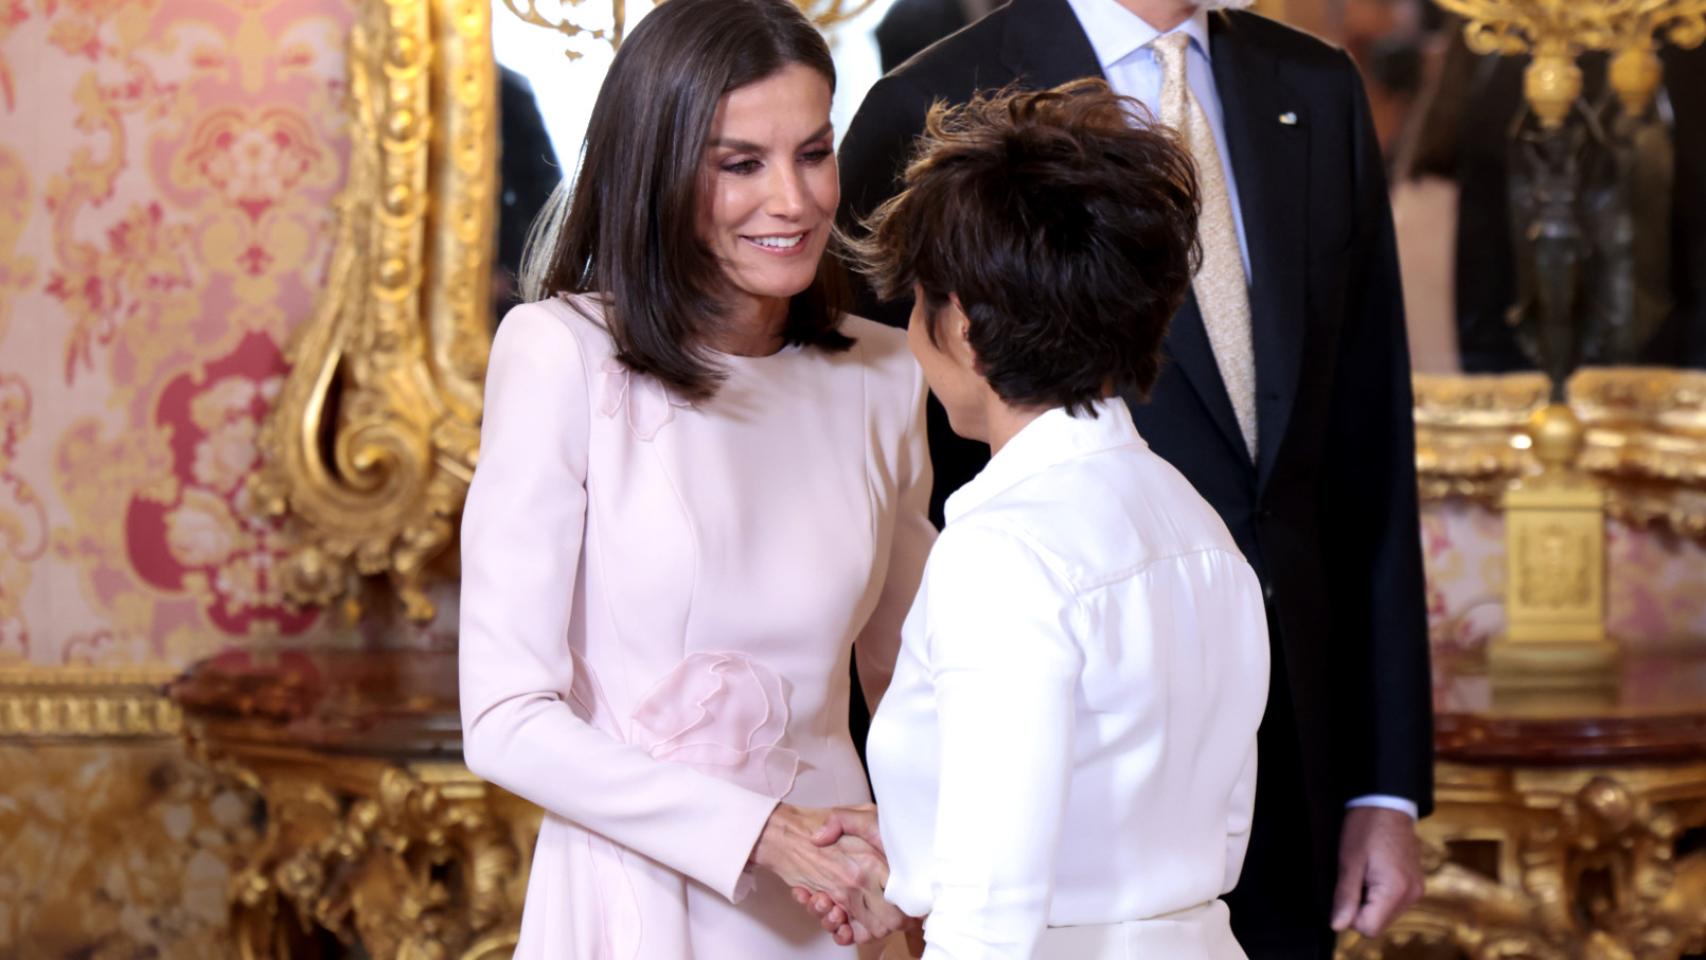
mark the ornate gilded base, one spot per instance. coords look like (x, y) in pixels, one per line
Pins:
(1559, 865)
(378, 842)
(1564, 831)
(1567, 664)
(412, 862)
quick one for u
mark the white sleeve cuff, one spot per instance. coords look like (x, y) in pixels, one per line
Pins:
(1388, 802)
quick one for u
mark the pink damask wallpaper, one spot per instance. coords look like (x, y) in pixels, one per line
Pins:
(1655, 594)
(166, 175)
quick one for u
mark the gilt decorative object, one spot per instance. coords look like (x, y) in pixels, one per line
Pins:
(1589, 191)
(373, 833)
(1555, 565)
(1562, 834)
(372, 444)
(1555, 31)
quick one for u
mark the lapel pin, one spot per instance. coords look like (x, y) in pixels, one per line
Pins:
(1288, 118)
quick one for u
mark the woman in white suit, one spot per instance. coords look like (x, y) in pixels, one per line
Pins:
(1065, 760)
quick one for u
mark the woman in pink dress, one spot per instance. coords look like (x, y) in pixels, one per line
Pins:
(701, 496)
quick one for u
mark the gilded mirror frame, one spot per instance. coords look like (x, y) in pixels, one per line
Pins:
(371, 446)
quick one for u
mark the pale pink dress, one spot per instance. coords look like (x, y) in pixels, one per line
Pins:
(659, 603)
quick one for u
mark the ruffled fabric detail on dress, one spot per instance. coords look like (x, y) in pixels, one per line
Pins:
(649, 405)
(723, 714)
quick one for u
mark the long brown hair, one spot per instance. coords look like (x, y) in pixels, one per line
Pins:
(627, 229)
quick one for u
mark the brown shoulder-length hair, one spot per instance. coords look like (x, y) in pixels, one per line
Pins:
(628, 228)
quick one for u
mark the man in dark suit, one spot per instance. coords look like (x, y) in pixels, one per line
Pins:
(1309, 457)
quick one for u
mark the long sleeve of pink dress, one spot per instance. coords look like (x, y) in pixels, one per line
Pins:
(659, 603)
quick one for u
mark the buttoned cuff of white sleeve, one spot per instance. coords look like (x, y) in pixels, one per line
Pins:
(1388, 802)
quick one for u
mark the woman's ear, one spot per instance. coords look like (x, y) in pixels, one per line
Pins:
(958, 329)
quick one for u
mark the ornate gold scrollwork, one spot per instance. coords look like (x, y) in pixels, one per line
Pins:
(86, 704)
(1570, 864)
(372, 444)
(416, 862)
(1645, 437)
(1556, 30)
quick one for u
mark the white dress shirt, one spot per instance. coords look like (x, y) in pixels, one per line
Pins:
(1121, 40)
(1070, 735)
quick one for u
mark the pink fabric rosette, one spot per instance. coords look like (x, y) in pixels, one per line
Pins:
(725, 715)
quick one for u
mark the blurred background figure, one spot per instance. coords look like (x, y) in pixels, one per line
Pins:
(911, 25)
(530, 172)
(1457, 240)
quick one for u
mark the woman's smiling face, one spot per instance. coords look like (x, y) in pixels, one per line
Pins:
(770, 185)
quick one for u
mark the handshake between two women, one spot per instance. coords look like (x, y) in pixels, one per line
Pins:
(833, 858)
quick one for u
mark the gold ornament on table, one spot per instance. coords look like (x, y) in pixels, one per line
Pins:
(1555, 31)
(1555, 566)
(1580, 173)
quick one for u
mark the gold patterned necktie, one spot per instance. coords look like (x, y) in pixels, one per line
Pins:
(1222, 294)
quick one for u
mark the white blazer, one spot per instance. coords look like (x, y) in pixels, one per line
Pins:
(1070, 736)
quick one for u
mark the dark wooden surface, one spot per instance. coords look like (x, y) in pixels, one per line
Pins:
(403, 704)
(395, 703)
(1652, 709)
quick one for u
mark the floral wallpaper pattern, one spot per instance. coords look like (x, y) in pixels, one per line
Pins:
(166, 175)
(1655, 590)
(167, 170)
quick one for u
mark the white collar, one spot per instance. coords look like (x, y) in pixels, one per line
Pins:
(1116, 33)
(1052, 438)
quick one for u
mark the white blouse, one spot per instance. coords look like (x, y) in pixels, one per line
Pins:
(1070, 734)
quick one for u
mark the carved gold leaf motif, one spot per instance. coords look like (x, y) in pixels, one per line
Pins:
(1645, 439)
(372, 444)
(1555, 31)
(1563, 865)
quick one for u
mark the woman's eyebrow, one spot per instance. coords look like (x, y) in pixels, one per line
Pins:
(747, 146)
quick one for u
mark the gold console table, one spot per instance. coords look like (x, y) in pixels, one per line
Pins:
(1565, 829)
(376, 835)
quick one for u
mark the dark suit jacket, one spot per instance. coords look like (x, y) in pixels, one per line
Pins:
(912, 25)
(1327, 515)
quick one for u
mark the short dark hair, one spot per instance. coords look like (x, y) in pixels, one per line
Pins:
(627, 229)
(1065, 224)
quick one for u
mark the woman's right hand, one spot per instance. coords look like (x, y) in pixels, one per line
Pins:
(849, 825)
(850, 872)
